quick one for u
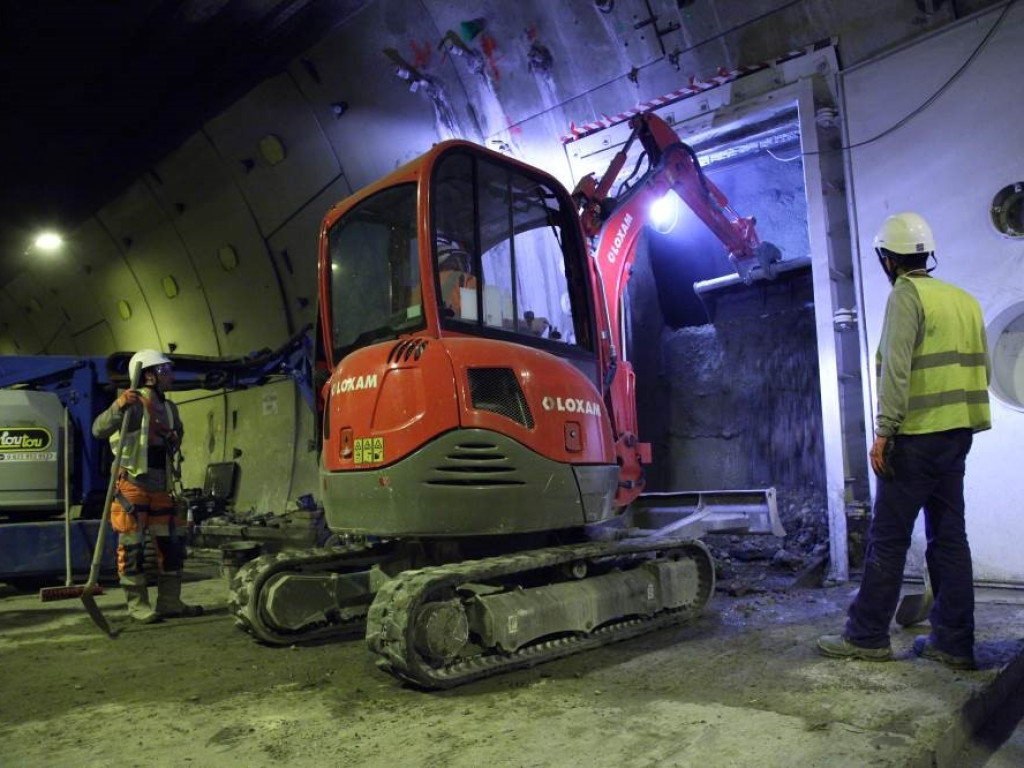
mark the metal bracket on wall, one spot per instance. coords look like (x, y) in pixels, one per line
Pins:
(406, 71)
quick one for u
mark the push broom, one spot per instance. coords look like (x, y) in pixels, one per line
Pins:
(90, 589)
(69, 590)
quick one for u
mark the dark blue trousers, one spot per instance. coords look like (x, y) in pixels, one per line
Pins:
(929, 474)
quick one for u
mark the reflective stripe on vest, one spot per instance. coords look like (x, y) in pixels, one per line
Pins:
(135, 452)
(948, 377)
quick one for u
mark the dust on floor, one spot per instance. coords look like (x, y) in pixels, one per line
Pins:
(740, 686)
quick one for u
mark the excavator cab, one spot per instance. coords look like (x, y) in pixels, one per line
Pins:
(503, 255)
(461, 328)
(508, 254)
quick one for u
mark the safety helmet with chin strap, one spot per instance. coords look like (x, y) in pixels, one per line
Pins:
(904, 234)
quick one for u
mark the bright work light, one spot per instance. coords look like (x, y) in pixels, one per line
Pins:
(49, 241)
(664, 212)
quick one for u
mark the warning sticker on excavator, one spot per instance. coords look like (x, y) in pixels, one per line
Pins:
(368, 450)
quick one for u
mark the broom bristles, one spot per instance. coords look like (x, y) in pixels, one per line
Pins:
(49, 594)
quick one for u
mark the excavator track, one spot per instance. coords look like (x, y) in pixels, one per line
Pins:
(244, 600)
(397, 613)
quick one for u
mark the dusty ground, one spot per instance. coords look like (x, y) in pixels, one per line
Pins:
(742, 686)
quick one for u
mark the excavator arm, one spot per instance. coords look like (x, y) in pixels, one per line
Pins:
(613, 226)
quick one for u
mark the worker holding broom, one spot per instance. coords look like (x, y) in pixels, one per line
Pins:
(143, 510)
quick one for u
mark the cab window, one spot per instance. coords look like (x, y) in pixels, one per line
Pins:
(375, 280)
(505, 254)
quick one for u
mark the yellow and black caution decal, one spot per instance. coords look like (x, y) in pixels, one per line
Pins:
(368, 450)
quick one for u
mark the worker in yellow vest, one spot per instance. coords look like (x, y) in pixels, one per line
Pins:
(143, 510)
(933, 372)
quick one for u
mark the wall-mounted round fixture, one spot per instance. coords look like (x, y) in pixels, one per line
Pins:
(1008, 210)
(170, 286)
(124, 309)
(1006, 335)
(228, 257)
(272, 149)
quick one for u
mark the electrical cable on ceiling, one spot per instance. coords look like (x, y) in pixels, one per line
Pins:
(271, 378)
(741, 25)
(784, 159)
(930, 100)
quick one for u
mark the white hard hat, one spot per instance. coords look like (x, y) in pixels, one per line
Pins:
(907, 234)
(147, 358)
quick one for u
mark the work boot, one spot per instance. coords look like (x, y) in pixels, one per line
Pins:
(838, 647)
(137, 596)
(168, 598)
(924, 648)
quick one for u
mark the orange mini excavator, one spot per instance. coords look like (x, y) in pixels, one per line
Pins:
(479, 445)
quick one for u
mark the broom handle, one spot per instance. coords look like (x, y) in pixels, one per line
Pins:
(115, 467)
(67, 501)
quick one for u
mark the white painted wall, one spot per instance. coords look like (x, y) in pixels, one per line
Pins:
(946, 164)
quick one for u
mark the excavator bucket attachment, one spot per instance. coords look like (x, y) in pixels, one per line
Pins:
(761, 266)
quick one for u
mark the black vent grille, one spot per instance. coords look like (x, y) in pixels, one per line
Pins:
(475, 465)
(497, 390)
(406, 349)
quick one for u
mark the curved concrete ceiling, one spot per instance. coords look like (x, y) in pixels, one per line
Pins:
(96, 91)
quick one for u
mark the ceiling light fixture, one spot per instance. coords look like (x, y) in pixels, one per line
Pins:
(49, 242)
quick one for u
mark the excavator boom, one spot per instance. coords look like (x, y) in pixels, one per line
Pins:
(613, 225)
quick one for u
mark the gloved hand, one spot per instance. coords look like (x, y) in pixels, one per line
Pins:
(173, 440)
(128, 397)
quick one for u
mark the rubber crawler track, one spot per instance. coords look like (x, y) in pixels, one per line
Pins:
(245, 588)
(390, 623)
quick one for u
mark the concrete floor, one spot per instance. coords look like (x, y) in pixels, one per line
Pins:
(742, 686)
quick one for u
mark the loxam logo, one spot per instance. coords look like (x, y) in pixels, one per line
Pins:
(354, 384)
(571, 405)
(620, 237)
(24, 439)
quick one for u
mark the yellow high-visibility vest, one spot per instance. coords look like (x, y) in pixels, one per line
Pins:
(135, 451)
(948, 372)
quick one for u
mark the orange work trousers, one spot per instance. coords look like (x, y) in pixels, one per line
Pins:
(145, 518)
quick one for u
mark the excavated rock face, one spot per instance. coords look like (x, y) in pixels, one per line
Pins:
(744, 405)
(735, 403)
